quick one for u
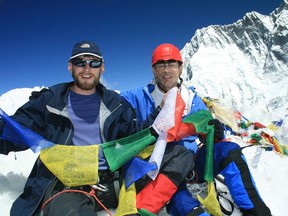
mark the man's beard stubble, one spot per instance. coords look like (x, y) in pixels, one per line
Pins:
(85, 85)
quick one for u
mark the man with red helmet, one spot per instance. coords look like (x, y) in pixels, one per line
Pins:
(229, 161)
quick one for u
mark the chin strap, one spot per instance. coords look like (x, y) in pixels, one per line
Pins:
(179, 83)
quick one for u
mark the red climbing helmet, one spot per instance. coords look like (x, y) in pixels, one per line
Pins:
(166, 52)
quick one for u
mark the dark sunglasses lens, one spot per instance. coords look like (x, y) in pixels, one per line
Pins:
(95, 64)
(78, 62)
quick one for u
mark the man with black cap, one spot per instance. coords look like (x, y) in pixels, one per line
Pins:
(82, 112)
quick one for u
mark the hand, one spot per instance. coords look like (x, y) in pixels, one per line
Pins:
(153, 132)
(218, 129)
(36, 94)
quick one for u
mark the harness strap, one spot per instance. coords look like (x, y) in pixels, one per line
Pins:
(89, 194)
(107, 174)
(55, 189)
(116, 183)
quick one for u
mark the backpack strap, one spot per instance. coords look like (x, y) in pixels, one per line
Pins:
(50, 190)
(224, 210)
(221, 196)
(196, 211)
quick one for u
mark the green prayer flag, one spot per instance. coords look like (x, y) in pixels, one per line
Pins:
(200, 120)
(120, 151)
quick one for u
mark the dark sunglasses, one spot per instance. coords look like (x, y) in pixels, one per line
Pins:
(82, 62)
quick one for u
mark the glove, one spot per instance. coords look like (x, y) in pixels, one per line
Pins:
(218, 129)
(36, 94)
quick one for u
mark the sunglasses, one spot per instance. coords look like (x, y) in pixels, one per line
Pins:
(82, 62)
(171, 64)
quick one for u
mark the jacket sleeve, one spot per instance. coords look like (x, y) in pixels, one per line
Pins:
(141, 124)
(143, 107)
(29, 115)
(127, 122)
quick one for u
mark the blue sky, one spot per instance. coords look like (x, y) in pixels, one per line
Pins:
(37, 36)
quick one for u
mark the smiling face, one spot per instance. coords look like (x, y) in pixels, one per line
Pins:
(166, 74)
(85, 75)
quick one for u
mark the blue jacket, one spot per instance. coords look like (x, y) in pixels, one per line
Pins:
(47, 115)
(144, 106)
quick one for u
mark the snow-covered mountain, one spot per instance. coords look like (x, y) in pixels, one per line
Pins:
(13, 99)
(244, 64)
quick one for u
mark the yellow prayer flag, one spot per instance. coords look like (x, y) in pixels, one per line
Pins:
(146, 152)
(127, 201)
(72, 165)
(210, 202)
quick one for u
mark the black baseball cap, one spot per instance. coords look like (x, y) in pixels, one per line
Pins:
(86, 48)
